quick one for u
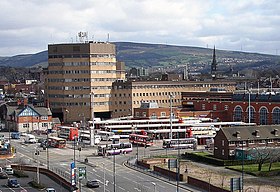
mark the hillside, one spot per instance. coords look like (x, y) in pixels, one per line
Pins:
(150, 55)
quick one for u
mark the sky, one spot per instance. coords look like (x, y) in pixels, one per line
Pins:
(28, 26)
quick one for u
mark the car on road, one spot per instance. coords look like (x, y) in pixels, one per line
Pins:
(50, 189)
(3, 175)
(9, 170)
(93, 184)
(13, 183)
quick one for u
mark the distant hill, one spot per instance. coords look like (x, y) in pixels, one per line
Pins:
(148, 55)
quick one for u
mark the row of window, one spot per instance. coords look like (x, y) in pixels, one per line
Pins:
(83, 56)
(27, 125)
(179, 86)
(251, 114)
(61, 104)
(78, 96)
(80, 80)
(61, 72)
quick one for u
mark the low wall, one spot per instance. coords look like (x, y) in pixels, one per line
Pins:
(168, 173)
(142, 164)
(46, 172)
(204, 185)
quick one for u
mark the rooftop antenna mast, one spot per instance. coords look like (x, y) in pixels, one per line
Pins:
(108, 38)
(82, 36)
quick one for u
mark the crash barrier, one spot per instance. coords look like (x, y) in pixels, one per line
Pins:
(55, 177)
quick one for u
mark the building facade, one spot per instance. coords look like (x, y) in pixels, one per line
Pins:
(80, 77)
(85, 80)
(262, 109)
(127, 95)
(236, 142)
(29, 119)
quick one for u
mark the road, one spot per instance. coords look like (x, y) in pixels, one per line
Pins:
(127, 179)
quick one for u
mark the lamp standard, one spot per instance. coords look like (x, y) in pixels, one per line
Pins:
(114, 170)
(74, 159)
(104, 180)
(171, 113)
(154, 184)
(38, 173)
(47, 147)
(178, 163)
(242, 174)
(242, 165)
(92, 113)
(249, 109)
(137, 151)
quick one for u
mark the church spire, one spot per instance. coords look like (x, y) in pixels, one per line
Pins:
(214, 63)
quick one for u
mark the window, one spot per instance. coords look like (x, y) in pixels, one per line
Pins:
(276, 116)
(223, 152)
(144, 114)
(223, 142)
(203, 106)
(214, 107)
(263, 116)
(44, 117)
(226, 107)
(237, 114)
(251, 114)
(163, 114)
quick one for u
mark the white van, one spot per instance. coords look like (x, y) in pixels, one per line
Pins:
(29, 138)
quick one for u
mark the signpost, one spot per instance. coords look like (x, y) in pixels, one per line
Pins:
(73, 175)
(235, 184)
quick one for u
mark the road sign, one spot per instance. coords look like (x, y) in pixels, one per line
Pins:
(82, 173)
(172, 163)
(73, 174)
(235, 184)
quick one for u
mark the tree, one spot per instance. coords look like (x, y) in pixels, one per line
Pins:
(260, 155)
(274, 156)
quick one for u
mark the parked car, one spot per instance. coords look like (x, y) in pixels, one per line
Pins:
(92, 184)
(50, 189)
(13, 183)
(3, 175)
(9, 170)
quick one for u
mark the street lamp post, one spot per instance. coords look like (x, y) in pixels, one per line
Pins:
(154, 184)
(92, 113)
(47, 147)
(38, 172)
(104, 180)
(242, 173)
(178, 163)
(171, 113)
(114, 169)
(74, 159)
(249, 109)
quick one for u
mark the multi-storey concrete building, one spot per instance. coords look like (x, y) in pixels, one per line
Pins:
(85, 77)
(80, 74)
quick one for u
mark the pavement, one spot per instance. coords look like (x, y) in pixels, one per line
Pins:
(131, 163)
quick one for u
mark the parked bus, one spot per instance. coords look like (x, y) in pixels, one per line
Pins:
(56, 142)
(143, 140)
(68, 133)
(115, 149)
(181, 143)
(84, 137)
(107, 136)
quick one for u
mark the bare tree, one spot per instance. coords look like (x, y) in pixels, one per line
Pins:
(260, 155)
(274, 157)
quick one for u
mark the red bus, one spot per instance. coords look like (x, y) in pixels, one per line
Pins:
(56, 142)
(68, 133)
(143, 140)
